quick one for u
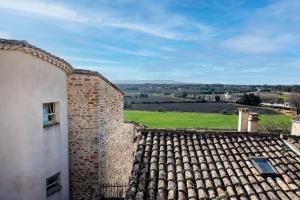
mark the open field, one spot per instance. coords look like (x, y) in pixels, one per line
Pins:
(154, 99)
(272, 97)
(200, 107)
(193, 120)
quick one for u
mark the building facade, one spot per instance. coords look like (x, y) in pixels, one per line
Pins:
(101, 144)
(34, 123)
(57, 124)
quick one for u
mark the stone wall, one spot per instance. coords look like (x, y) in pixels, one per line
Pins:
(101, 145)
(117, 149)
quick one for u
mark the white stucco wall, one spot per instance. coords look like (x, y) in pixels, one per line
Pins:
(29, 153)
(296, 128)
(243, 120)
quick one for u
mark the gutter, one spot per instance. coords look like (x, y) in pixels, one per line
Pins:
(294, 149)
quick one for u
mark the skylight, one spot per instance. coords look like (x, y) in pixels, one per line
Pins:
(263, 165)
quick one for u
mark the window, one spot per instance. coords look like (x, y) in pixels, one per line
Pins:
(50, 113)
(263, 165)
(53, 184)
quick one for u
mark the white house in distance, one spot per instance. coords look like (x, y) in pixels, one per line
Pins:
(33, 121)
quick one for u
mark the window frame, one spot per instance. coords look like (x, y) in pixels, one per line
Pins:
(53, 107)
(54, 187)
(260, 170)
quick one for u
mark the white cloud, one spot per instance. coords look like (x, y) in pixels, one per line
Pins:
(184, 31)
(117, 72)
(295, 63)
(43, 9)
(90, 60)
(172, 28)
(255, 70)
(270, 29)
(5, 35)
(286, 8)
(176, 27)
(167, 48)
(145, 28)
(145, 53)
(258, 43)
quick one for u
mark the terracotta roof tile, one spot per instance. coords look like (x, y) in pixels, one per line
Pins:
(209, 165)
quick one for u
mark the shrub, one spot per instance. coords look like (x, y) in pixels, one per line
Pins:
(161, 110)
(276, 127)
(224, 112)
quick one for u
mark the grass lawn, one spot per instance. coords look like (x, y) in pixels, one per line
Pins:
(192, 120)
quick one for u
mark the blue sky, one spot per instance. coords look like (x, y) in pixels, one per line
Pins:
(198, 41)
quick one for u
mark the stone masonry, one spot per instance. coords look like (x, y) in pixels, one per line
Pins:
(101, 145)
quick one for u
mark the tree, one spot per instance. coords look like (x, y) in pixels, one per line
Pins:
(127, 104)
(250, 99)
(295, 100)
(142, 95)
(183, 94)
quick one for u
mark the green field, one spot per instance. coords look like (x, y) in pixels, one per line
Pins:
(193, 120)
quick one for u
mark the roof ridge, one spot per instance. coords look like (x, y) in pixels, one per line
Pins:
(210, 132)
(24, 46)
(95, 73)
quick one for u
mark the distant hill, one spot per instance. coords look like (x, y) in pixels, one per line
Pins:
(147, 81)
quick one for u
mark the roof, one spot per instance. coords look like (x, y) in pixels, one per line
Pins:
(25, 47)
(189, 164)
(95, 73)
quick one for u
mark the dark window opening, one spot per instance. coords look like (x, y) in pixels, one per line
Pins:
(50, 113)
(53, 184)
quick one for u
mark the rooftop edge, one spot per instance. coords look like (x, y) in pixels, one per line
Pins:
(24, 46)
(95, 73)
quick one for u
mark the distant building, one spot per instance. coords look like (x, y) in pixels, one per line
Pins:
(285, 105)
(263, 90)
(228, 96)
(232, 97)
